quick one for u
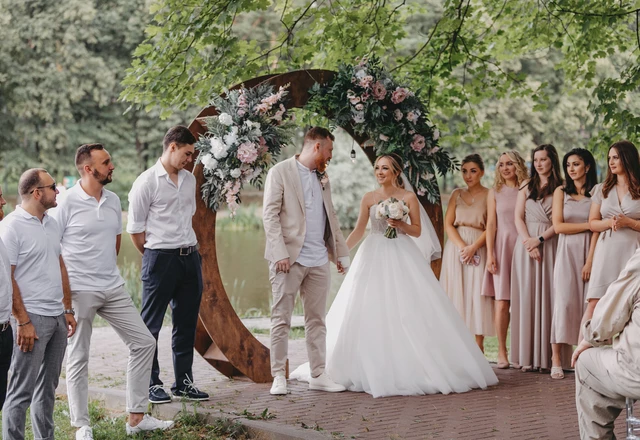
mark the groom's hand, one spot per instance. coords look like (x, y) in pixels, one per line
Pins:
(283, 266)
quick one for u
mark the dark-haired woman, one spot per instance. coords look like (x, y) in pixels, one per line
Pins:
(574, 256)
(533, 261)
(615, 210)
(464, 256)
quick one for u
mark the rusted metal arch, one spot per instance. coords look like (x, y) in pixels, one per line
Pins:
(221, 337)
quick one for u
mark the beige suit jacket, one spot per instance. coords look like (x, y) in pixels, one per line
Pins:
(284, 216)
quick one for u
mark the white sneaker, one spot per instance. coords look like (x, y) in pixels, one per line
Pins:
(324, 383)
(84, 433)
(279, 387)
(149, 423)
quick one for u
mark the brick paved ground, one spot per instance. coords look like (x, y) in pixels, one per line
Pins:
(522, 406)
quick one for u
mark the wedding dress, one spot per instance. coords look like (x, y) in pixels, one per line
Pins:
(392, 330)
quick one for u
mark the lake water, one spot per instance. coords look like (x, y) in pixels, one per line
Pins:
(244, 271)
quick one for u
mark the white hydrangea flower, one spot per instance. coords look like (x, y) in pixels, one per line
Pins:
(218, 148)
(235, 173)
(225, 119)
(209, 162)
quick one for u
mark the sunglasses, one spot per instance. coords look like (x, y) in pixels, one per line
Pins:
(52, 186)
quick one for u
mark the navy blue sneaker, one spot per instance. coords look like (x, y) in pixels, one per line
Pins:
(157, 394)
(189, 392)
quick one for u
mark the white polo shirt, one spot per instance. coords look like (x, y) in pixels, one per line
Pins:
(6, 286)
(314, 250)
(163, 210)
(34, 248)
(89, 231)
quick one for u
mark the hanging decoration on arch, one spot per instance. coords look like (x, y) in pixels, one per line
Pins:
(390, 115)
(242, 142)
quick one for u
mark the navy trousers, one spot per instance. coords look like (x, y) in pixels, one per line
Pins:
(171, 279)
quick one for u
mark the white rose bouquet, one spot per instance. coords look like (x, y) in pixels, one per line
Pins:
(392, 208)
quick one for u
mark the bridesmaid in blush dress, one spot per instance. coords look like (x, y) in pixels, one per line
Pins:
(574, 257)
(615, 211)
(533, 261)
(464, 255)
(502, 235)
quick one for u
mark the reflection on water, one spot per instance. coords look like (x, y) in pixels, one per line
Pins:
(244, 271)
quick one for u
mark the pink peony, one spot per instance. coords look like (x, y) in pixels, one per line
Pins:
(399, 95)
(418, 143)
(247, 152)
(379, 91)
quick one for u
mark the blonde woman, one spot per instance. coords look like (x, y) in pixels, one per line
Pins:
(464, 255)
(502, 235)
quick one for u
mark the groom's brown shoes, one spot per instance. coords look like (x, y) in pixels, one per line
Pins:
(324, 383)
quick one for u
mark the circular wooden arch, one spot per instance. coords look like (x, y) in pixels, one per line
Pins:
(221, 337)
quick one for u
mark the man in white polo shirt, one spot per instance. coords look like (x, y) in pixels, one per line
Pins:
(90, 218)
(6, 335)
(162, 202)
(41, 307)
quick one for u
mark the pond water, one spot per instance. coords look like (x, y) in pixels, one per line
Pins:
(244, 271)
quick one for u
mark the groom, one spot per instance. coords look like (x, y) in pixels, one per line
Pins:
(302, 234)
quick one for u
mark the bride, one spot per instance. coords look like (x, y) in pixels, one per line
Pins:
(391, 329)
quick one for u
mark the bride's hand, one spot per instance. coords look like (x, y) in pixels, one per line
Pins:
(395, 223)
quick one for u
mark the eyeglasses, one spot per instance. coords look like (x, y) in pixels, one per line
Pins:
(52, 186)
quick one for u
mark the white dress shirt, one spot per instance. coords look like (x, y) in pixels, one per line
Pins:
(163, 210)
(89, 231)
(6, 286)
(34, 249)
(314, 250)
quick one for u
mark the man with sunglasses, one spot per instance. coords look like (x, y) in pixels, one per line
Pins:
(41, 307)
(6, 333)
(90, 218)
(162, 202)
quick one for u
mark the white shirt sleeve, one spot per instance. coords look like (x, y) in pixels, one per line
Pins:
(11, 243)
(139, 203)
(59, 214)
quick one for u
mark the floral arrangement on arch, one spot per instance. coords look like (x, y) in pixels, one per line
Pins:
(390, 115)
(241, 142)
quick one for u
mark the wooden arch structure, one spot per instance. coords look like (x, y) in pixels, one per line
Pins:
(221, 337)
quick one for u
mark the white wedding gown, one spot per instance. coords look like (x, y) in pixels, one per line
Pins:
(392, 330)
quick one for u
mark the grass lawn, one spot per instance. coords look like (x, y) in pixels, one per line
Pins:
(106, 426)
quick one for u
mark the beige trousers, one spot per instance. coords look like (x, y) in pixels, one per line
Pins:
(601, 392)
(313, 284)
(117, 308)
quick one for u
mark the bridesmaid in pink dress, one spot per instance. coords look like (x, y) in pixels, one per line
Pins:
(533, 261)
(574, 257)
(502, 235)
(615, 214)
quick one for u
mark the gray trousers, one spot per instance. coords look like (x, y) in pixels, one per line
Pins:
(116, 307)
(601, 392)
(34, 378)
(313, 283)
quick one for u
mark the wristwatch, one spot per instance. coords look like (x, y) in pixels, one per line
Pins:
(541, 238)
(69, 312)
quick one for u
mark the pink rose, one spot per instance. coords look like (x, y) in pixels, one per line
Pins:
(418, 143)
(359, 107)
(399, 95)
(412, 116)
(397, 115)
(379, 91)
(247, 152)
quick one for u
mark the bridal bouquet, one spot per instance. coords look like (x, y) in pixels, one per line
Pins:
(392, 208)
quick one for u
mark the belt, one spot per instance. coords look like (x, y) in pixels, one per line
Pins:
(4, 326)
(183, 251)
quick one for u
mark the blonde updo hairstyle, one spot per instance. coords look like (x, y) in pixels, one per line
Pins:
(521, 170)
(395, 160)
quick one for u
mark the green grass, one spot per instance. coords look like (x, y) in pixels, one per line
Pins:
(246, 218)
(189, 425)
(491, 347)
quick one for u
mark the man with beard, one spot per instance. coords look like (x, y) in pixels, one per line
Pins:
(90, 219)
(41, 307)
(6, 334)
(162, 202)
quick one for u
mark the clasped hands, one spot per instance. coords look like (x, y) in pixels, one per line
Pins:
(621, 221)
(531, 245)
